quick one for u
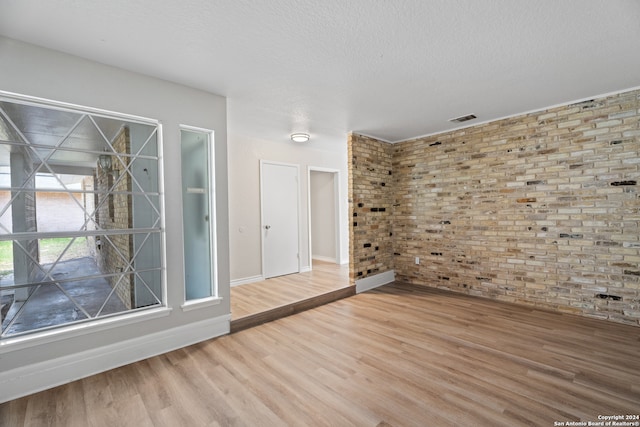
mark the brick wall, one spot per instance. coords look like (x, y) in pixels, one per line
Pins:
(115, 213)
(59, 212)
(540, 209)
(370, 206)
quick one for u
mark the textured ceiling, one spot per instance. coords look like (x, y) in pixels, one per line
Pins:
(389, 69)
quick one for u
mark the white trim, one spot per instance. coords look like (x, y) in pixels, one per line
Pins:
(324, 259)
(305, 269)
(247, 280)
(372, 282)
(163, 223)
(76, 330)
(537, 110)
(213, 224)
(200, 303)
(40, 376)
(75, 108)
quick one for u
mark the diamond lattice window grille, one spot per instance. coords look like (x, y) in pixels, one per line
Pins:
(84, 236)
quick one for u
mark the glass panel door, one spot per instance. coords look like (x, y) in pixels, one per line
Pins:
(196, 212)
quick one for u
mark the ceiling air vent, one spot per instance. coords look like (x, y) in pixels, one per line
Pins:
(463, 118)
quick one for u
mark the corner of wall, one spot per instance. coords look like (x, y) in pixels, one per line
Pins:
(370, 206)
(537, 209)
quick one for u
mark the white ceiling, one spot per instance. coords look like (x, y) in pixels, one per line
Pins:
(389, 69)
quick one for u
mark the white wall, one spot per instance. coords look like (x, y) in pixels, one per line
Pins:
(245, 154)
(323, 216)
(30, 363)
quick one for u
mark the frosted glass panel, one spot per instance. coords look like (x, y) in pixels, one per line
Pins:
(196, 207)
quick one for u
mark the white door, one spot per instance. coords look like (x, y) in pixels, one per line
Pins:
(279, 198)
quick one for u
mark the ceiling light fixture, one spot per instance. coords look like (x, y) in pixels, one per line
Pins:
(299, 137)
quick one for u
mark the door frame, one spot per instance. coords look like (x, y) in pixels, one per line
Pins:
(336, 195)
(262, 223)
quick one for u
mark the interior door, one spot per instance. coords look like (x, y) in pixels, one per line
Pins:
(279, 199)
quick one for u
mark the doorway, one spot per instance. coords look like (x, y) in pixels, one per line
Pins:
(324, 215)
(274, 297)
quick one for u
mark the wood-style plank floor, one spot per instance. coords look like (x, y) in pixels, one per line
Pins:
(400, 355)
(267, 294)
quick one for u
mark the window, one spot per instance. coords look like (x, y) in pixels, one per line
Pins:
(80, 215)
(198, 206)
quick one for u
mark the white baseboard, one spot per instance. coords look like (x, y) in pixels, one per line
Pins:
(33, 378)
(247, 280)
(372, 282)
(324, 258)
(305, 269)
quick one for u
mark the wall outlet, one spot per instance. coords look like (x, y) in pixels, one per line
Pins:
(417, 260)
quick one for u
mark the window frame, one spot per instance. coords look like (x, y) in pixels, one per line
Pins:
(214, 298)
(134, 315)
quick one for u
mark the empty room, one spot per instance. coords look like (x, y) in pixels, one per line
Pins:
(387, 213)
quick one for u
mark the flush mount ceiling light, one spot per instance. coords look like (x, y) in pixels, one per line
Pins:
(299, 137)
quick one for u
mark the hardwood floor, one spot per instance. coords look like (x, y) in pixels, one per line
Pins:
(265, 295)
(400, 355)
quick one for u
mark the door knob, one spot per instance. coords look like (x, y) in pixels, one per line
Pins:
(267, 227)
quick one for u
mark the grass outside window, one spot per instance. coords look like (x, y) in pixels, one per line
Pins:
(50, 249)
